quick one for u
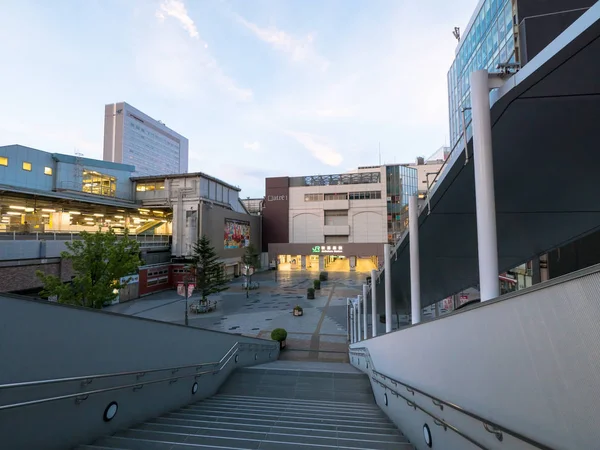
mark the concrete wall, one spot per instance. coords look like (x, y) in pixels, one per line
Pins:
(20, 275)
(367, 218)
(41, 341)
(529, 361)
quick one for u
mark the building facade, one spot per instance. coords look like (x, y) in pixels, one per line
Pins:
(48, 199)
(315, 221)
(503, 32)
(132, 137)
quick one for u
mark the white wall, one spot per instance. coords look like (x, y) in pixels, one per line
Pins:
(367, 218)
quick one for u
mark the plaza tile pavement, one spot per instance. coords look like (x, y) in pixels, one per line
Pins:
(317, 335)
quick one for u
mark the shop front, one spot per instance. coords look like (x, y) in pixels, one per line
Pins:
(330, 257)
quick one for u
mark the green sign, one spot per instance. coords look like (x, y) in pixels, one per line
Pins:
(316, 249)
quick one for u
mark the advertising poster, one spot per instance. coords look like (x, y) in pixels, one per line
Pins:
(237, 233)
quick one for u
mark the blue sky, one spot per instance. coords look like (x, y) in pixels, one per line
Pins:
(260, 88)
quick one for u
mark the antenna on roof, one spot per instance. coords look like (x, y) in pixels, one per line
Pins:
(456, 33)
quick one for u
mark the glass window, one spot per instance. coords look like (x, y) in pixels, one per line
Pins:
(27, 166)
(3, 161)
(160, 185)
(99, 184)
(508, 20)
(47, 170)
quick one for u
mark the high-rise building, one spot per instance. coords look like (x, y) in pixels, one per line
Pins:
(132, 137)
(503, 32)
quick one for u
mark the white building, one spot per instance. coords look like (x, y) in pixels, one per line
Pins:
(132, 137)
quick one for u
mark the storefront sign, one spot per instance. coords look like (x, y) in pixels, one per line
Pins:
(327, 249)
(129, 279)
(276, 198)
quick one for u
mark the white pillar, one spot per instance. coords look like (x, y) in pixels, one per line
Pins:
(359, 322)
(303, 262)
(487, 241)
(373, 304)
(351, 324)
(365, 310)
(415, 273)
(356, 329)
(387, 268)
(348, 318)
(321, 262)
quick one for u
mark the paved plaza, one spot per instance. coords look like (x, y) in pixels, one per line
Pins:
(320, 334)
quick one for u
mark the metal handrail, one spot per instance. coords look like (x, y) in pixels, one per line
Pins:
(495, 428)
(81, 396)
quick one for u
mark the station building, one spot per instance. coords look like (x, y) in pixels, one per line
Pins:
(335, 222)
(47, 199)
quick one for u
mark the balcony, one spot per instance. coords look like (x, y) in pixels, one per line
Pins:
(336, 230)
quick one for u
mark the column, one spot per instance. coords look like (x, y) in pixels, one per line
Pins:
(387, 269)
(373, 303)
(356, 330)
(415, 275)
(487, 242)
(352, 263)
(351, 324)
(321, 262)
(365, 310)
(358, 321)
(303, 262)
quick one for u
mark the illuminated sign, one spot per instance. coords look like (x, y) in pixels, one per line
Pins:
(327, 249)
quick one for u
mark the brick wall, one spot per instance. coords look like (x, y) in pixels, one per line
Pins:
(20, 278)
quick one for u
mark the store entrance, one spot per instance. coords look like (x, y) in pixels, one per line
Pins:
(289, 262)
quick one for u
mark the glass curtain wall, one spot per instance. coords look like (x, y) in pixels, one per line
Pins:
(490, 41)
(401, 183)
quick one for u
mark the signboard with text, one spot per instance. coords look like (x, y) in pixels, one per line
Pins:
(328, 249)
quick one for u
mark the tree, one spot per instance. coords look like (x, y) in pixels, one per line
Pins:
(251, 260)
(99, 261)
(210, 275)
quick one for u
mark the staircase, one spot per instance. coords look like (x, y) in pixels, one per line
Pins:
(283, 405)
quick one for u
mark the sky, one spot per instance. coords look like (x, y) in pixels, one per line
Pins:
(259, 87)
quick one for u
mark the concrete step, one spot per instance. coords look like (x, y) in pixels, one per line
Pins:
(282, 412)
(291, 417)
(388, 435)
(138, 439)
(191, 418)
(287, 435)
(296, 402)
(272, 401)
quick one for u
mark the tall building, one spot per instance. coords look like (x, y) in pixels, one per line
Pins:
(503, 32)
(132, 137)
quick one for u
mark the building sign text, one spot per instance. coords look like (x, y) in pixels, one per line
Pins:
(276, 198)
(327, 249)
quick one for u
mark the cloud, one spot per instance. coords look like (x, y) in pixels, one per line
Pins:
(177, 10)
(184, 62)
(318, 147)
(254, 146)
(297, 49)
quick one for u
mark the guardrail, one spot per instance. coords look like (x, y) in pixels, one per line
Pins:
(86, 380)
(491, 427)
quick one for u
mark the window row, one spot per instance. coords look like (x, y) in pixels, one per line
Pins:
(363, 195)
(26, 166)
(153, 186)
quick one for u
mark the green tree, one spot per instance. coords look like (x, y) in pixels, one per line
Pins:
(210, 275)
(99, 261)
(251, 261)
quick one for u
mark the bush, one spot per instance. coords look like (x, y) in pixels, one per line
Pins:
(323, 276)
(310, 293)
(278, 334)
(317, 284)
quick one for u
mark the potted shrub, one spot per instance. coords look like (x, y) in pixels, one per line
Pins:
(310, 293)
(317, 285)
(298, 310)
(323, 276)
(279, 335)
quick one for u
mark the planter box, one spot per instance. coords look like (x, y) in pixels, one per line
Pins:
(298, 313)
